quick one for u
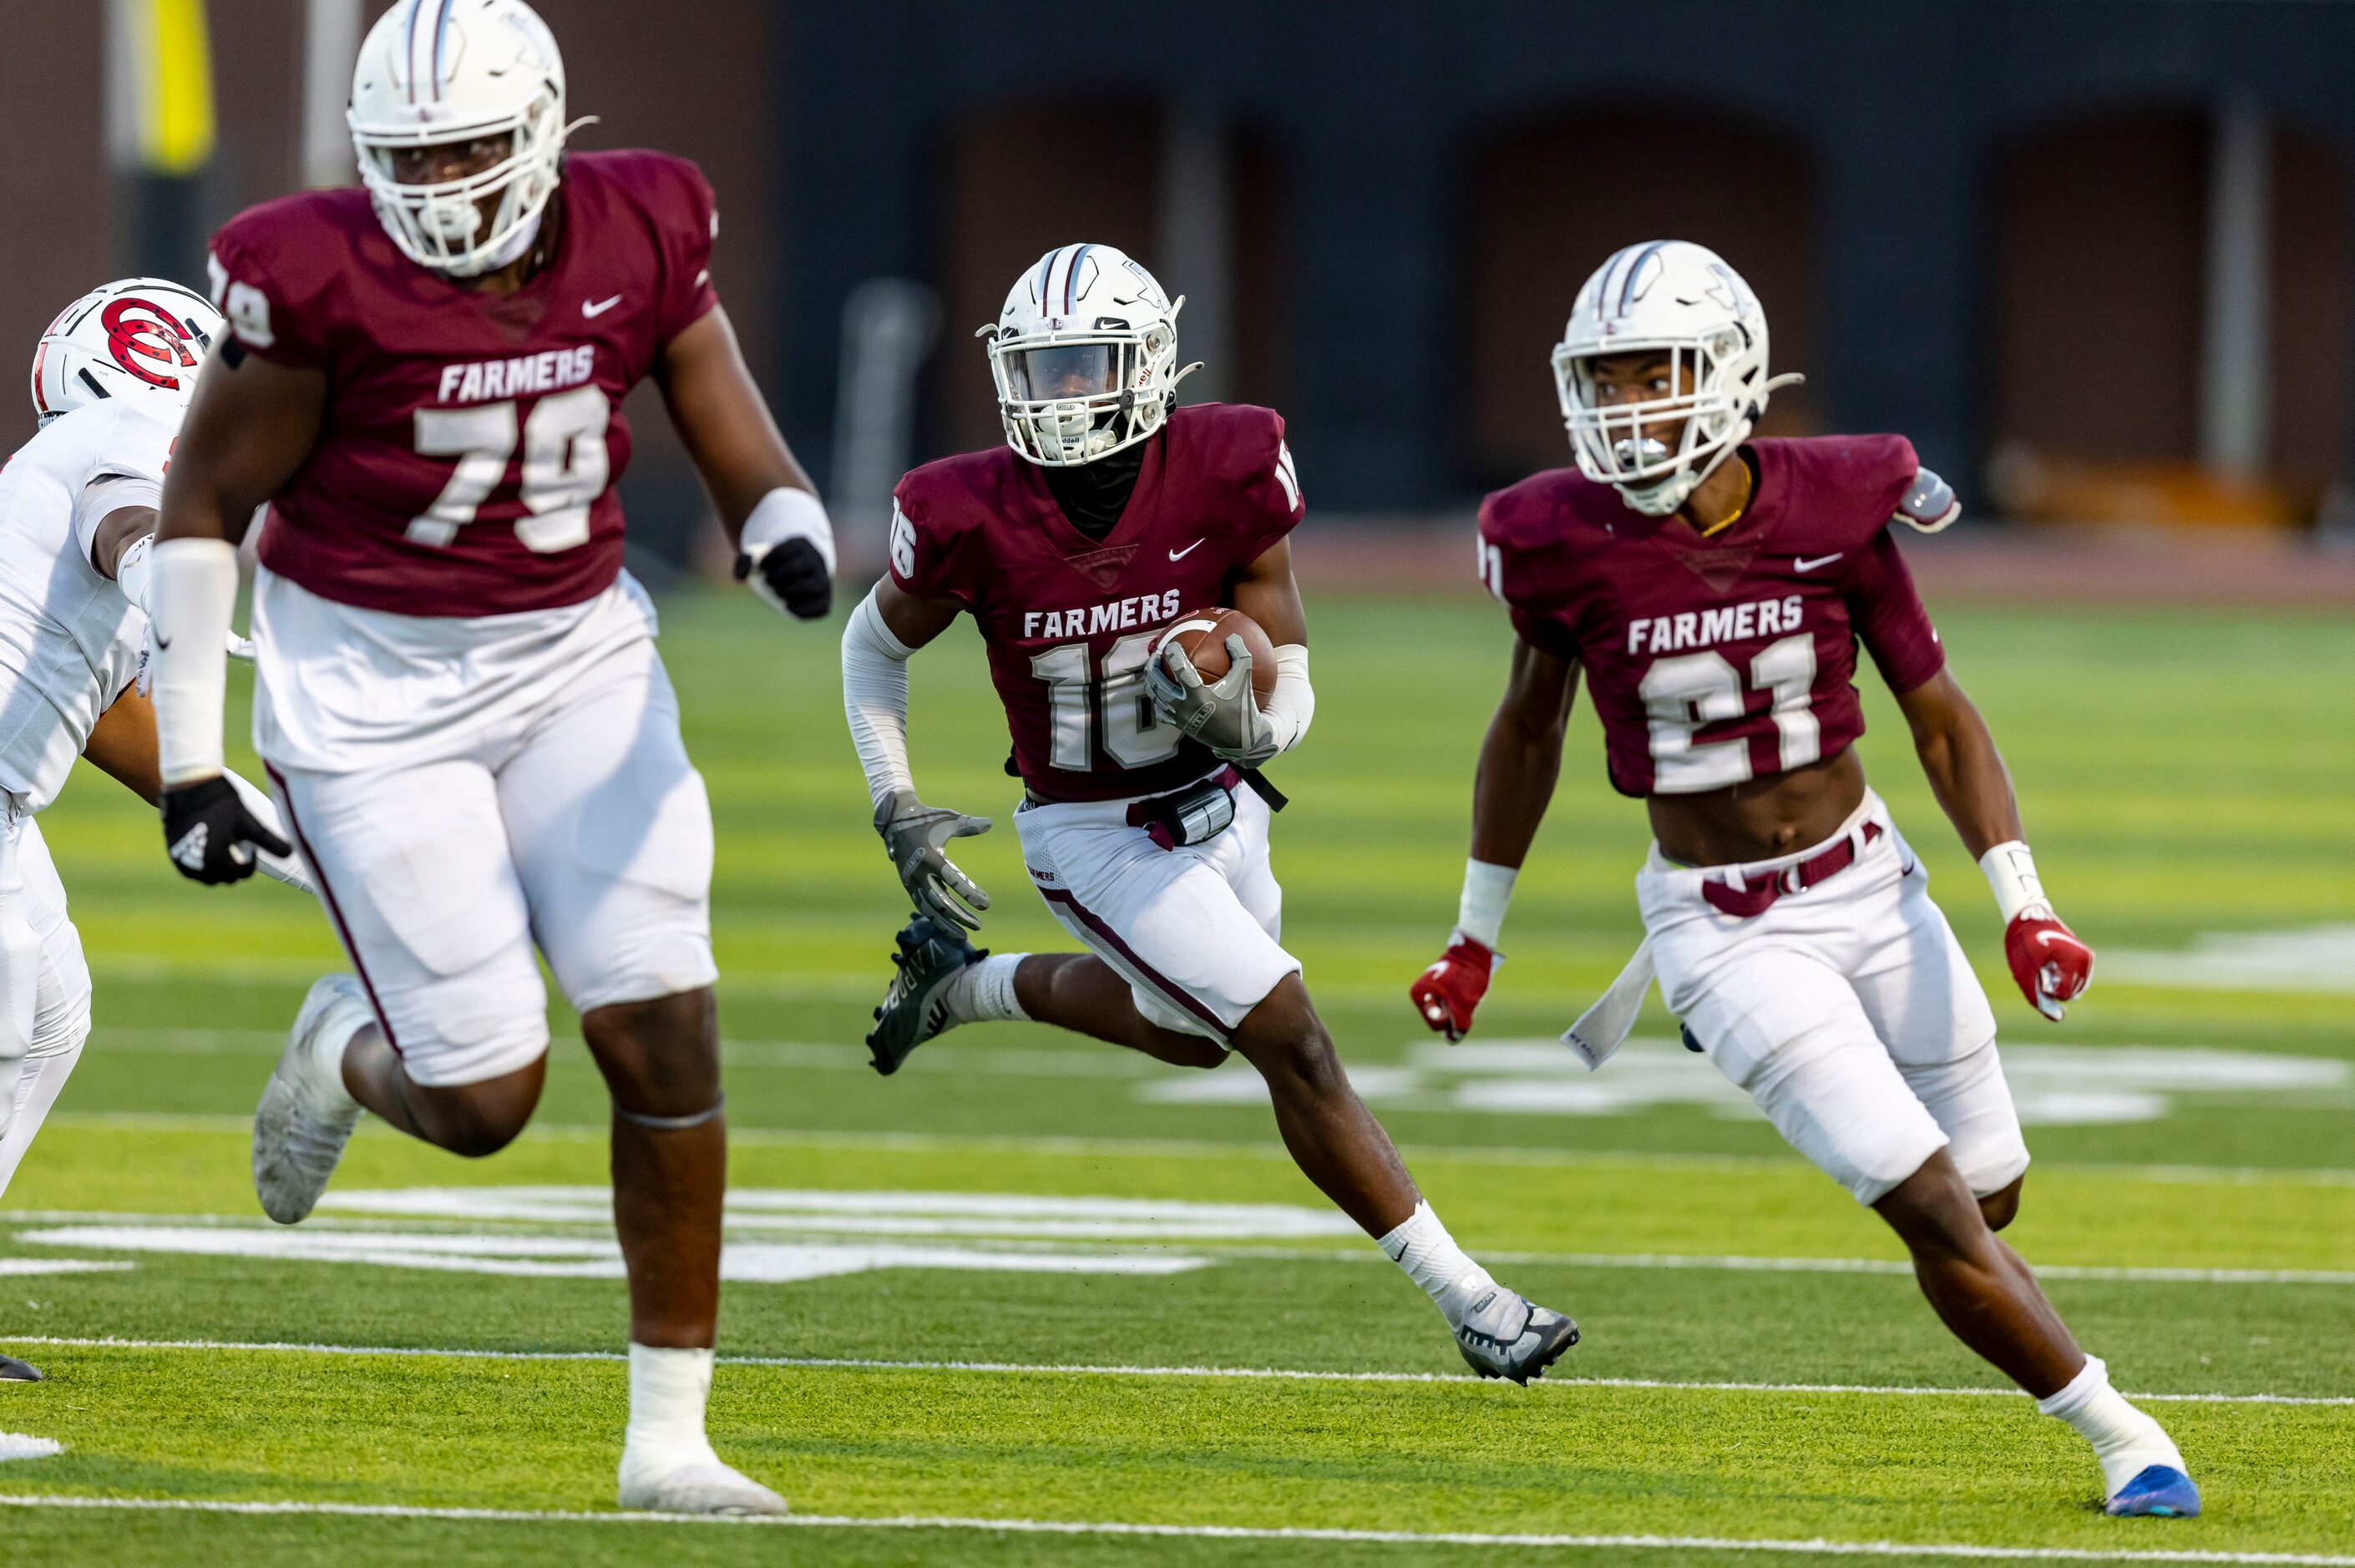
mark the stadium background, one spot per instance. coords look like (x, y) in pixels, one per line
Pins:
(2095, 258)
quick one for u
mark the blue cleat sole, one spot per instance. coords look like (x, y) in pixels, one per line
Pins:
(2158, 1492)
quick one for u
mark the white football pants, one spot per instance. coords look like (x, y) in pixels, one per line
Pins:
(1195, 931)
(574, 823)
(1848, 1011)
(44, 990)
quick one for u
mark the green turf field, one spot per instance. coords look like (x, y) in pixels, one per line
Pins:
(1033, 1284)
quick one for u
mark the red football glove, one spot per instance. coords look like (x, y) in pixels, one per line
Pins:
(1445, 993)
(2050, 965)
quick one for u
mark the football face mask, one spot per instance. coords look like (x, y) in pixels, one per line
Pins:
(1082, 355)
(1687, 321)
(457, 117)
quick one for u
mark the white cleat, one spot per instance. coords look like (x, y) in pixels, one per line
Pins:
(699, 1487)
(1507, 1335)
(306, 1116)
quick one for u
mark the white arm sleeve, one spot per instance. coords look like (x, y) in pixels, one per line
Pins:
(104, 497)
(193, 594)
(1293, 704)
(875, 699)
(289, 869)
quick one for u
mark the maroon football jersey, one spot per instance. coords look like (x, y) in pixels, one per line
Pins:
(471, 439)
(1068, 620)
(1715, 660)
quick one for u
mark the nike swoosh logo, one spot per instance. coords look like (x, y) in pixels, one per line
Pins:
(600, 307)
(1181, 555)
(162, 643)
(1801, 563)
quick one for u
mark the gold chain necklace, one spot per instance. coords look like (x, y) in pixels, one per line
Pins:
(1740, 504)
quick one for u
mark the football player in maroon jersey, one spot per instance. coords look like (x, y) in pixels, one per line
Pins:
(1713, 589)
(1108, 514)
(458, 695)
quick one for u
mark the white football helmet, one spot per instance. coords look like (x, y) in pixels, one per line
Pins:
(437, 72)
(1682, 300)
(1084, 355)
(140, 336)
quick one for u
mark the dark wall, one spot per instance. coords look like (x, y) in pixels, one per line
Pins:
(1534, 228)
(2099, 230)
(1895, 116)
(60, 205)
(705, 84)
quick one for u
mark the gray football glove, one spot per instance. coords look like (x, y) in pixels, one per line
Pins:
(913, 835)
(1223, 715)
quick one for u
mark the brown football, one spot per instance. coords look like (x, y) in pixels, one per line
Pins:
(1203, 634)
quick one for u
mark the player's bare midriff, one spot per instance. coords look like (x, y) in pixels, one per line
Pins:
(1760, 819)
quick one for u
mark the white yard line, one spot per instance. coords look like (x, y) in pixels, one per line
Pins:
(1733, 1262)
(1196, 1531)
(1745, 1263)
(1245, 1149)
(1052, 1369)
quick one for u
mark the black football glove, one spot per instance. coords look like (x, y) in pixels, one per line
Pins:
(210, 835)
(792, 576)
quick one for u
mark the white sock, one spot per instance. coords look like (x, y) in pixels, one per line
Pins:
(1422, 1247)
(667, 1390)
(2127, 1441)
(984, 992)
(327, 1048)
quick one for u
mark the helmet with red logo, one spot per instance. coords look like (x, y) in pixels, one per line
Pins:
(140, 336)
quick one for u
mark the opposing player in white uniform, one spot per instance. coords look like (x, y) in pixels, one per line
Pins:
(111, 379)
(459, 698)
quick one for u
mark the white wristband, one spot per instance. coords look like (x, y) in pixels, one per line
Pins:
(135, 569)
(1293, 704)
(1487, 889)
(192, 595)
(788, 514)
(2011, 873)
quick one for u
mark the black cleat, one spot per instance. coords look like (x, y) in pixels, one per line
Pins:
(13, 1371)
(915, 1008)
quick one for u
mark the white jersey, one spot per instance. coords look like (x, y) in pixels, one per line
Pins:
(70, 640)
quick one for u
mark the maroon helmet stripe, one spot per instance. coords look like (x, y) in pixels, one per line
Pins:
(409, 46)
(440, 25)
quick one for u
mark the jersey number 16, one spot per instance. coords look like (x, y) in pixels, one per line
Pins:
(1134, 735)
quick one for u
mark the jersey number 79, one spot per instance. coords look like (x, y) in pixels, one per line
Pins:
(565, 466)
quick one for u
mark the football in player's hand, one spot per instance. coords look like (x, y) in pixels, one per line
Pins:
(1203, 634)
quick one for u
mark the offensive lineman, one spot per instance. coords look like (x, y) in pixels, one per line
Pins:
(1715, 589)
(459, 698)
(111, 379)
(1108, 514)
